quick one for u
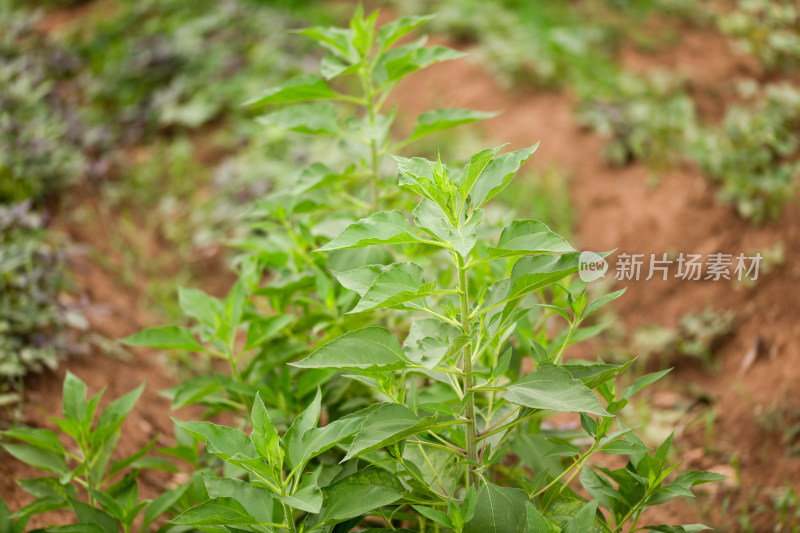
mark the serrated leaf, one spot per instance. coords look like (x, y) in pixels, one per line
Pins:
(386, 425)
(297, 89)
(393, 286)
(225, 442)
(386, 227)
(349, 500)
(429, 216)
(256, 501)
(497, 174)
(524, 237)
(499, 510)
(394, 30)
(370, 349)
(565, 512)
(553, 388)
(595, 375)
(216, 512)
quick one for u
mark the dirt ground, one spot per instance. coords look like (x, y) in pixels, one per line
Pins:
(615, 208)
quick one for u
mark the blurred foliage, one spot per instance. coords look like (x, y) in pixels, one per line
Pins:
(753, 154)
(644, 118)
(697, 335)
(33, 322)
(40, 134)
(768, 29)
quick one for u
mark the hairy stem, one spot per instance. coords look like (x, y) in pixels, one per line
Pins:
(472, 447)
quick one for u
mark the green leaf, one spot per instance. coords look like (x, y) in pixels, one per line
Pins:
(204, 308)
(443, 119)
(316, 118)
(393, 286)
(689, 528)
(571, 515)
(551, 387)
(257, 502)
(497, 174)
(437, 516)
(386, 425)
(430, 217)
(47, 487)
(264, 436)
(371, 349)
(90, 515)
(469, 175)
(537, 523)
(595, 375)
(159, 506)
(360, 279)
(192, 391)
(535, 272)
(117, 411)
(349, 500)
(216, 512)
(225, 442)
(74, 397)
(297, 89)
(623, 447)
(403, 60)
(308, 497)
(165, 338)
(337, 40)
(301, 425)
(41, 459)
(644, 381)
(603, 300)
(525, 237)
(44, 439)
(499, 510)
(386, 227)
(261, 330)
(319, 440)
(392, 31)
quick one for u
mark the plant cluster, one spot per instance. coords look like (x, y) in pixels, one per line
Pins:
(40, 136)
(451, 429)
(697, 335)
(33, 324)
(644, 118)
(753, 154)
(766, 29)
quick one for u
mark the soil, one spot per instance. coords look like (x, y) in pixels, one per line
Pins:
(616, 208)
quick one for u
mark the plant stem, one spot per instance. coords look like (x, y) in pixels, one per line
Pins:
(472, 448)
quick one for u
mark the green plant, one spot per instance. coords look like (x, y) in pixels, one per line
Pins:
(751, 154)
(101, 492)
(34, 326)
(697, 335)
(301, 304)
(40, 139)
(768, 30)
(644, 118)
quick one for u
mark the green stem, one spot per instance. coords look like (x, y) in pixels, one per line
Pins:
(472, 448)
(576, 466)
